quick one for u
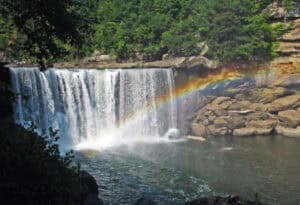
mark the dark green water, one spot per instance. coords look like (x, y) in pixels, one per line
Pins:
(171, 173)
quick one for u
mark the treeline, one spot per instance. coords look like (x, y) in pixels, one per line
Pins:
(234, 30)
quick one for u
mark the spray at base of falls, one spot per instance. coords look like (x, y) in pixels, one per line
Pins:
(96, 108)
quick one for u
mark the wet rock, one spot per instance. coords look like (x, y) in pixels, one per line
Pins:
(291, 117)
(288, 132)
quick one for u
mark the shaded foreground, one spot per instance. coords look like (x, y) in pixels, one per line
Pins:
(33, 171)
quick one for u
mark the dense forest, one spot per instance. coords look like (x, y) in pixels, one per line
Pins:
(43, 31)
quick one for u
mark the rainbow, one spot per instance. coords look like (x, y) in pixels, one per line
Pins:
(196, 84)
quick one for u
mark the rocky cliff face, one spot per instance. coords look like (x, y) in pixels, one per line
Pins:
(289, 48)
(270, 106)
(265, 106)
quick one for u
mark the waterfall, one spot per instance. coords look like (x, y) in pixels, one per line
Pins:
(95, 107)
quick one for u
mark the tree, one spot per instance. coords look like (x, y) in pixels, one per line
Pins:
(181, 39)
(43, 23)
(235, 30)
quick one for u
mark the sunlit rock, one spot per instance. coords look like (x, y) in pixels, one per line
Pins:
(283, 103)
(288, 132)
(291, 117)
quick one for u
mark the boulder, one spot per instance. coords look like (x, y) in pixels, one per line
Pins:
(251, 131)
(103, 58)
(235, 121)
(219, 103)
(225, 105)
(283, 103)
(220, 112)
(288, 132)
(267, 95)
(264, 124)
(221, 121)
(166, 56)
(240, 105)
(258, 107)
(203, 48)
(288, 81)
(198, 129)
(200, 62)
(220, 100)
(167, 63)
(290, 117)
(231, 92)
(242, 132)
(218, 131)
(259, 116)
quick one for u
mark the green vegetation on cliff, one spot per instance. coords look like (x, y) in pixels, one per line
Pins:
(235, 30)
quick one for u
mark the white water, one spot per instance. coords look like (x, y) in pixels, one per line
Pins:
(96, 108)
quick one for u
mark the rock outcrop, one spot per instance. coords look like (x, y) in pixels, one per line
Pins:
(253, 111)
(88, 190)
(105, 61)
(289, 48)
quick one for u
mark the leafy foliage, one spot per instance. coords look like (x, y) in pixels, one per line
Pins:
(42, 23)
(32, 170)
(235, 30)
(152, 28)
